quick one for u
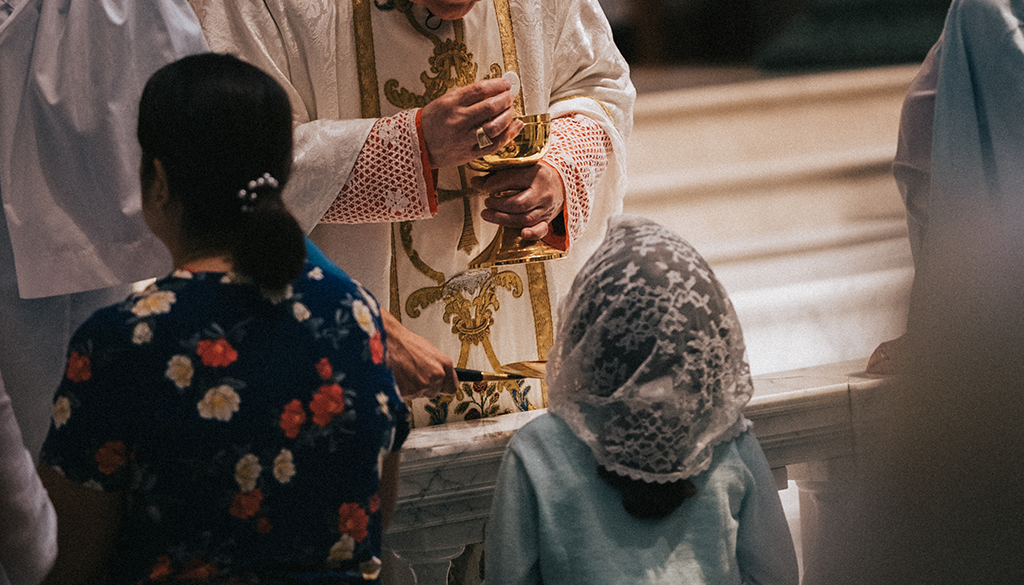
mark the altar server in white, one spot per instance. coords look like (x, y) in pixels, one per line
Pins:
(71, 73)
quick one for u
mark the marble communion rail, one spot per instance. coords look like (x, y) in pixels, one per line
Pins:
(803, 419)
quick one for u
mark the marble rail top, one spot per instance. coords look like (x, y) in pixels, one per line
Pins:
(448, 472)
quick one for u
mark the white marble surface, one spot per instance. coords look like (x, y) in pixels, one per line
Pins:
(448, 472)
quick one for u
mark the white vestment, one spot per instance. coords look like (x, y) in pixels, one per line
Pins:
(71, 74)
(321, 52)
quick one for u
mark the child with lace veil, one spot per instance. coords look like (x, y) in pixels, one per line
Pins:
(644, 470)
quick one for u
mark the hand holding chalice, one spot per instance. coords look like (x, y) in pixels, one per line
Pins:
(526, 149)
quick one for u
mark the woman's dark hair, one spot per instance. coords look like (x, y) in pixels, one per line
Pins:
(648, 501)
(216, 124)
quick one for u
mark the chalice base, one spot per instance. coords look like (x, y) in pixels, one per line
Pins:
(508, 247)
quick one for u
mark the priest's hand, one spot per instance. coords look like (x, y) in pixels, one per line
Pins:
(537, 197)
(421, 370)
(457, 123)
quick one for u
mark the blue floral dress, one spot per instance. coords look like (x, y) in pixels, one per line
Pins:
(247, 429)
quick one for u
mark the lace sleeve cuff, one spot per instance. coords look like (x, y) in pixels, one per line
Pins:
(579, 152)
(391, 180)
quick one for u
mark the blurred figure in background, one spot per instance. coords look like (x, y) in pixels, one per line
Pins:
(942, 473)
(28, 525)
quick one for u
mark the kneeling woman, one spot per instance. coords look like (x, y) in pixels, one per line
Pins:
(231, 422)
(645, 470)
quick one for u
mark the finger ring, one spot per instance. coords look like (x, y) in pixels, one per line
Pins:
(482, 139)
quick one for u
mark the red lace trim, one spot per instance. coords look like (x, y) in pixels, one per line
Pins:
(579, 152)
(391, 180)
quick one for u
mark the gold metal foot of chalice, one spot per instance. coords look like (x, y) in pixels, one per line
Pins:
(525, 150)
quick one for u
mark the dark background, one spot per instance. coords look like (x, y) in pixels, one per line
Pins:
(779, 35)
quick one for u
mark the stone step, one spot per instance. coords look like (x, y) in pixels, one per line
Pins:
(785, 186)
(768, 156)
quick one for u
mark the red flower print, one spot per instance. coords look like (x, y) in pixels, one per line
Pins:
(352, 520)
(162, 568)
(216, 353)
(374, 503)
(327, 402)
(479, 387)
(198, 570)
(111, 456)
(324, 369)
(376, 349)
(473, 414)
(263, 526)
(79, 367)
(246, 504)
(293, 418)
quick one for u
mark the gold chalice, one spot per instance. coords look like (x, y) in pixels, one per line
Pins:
(526, 149)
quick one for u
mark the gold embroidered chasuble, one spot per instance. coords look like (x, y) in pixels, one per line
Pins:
(349, 63)
(481, 318)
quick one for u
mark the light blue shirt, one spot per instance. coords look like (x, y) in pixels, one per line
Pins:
(553, 520)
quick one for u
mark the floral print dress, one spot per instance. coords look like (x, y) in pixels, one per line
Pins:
(247, 429)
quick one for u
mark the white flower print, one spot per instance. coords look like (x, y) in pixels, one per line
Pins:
(278, 296)
(316, 273)
(156, 303)
(247, 471)
(219, 403)
(364, 318)
(370, 301)
(284, 466)
(370, 569)
(342, 550)
(61, 411)
(301, 312)
(142, 333)
(382, 400)
(179, 371)
(185, 274)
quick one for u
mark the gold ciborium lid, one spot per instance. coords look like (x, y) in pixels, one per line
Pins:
(524, 150)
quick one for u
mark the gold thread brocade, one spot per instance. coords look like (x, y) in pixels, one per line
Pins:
(540, 300)
(366, 60)
(470, 299)
(452, 65)
(508, 48)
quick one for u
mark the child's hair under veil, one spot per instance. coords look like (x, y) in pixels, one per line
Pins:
(648, 366)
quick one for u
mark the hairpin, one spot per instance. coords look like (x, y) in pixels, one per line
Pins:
(249, 195)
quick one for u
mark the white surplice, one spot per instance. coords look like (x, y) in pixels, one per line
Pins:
(71, 230)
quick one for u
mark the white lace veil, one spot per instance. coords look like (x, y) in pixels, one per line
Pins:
(648, 366)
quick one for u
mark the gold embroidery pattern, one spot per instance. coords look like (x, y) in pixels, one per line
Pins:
(508, 48)
(470, 301)
(406, 234)
(366, 59)
(540, 301)
(452, 65)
